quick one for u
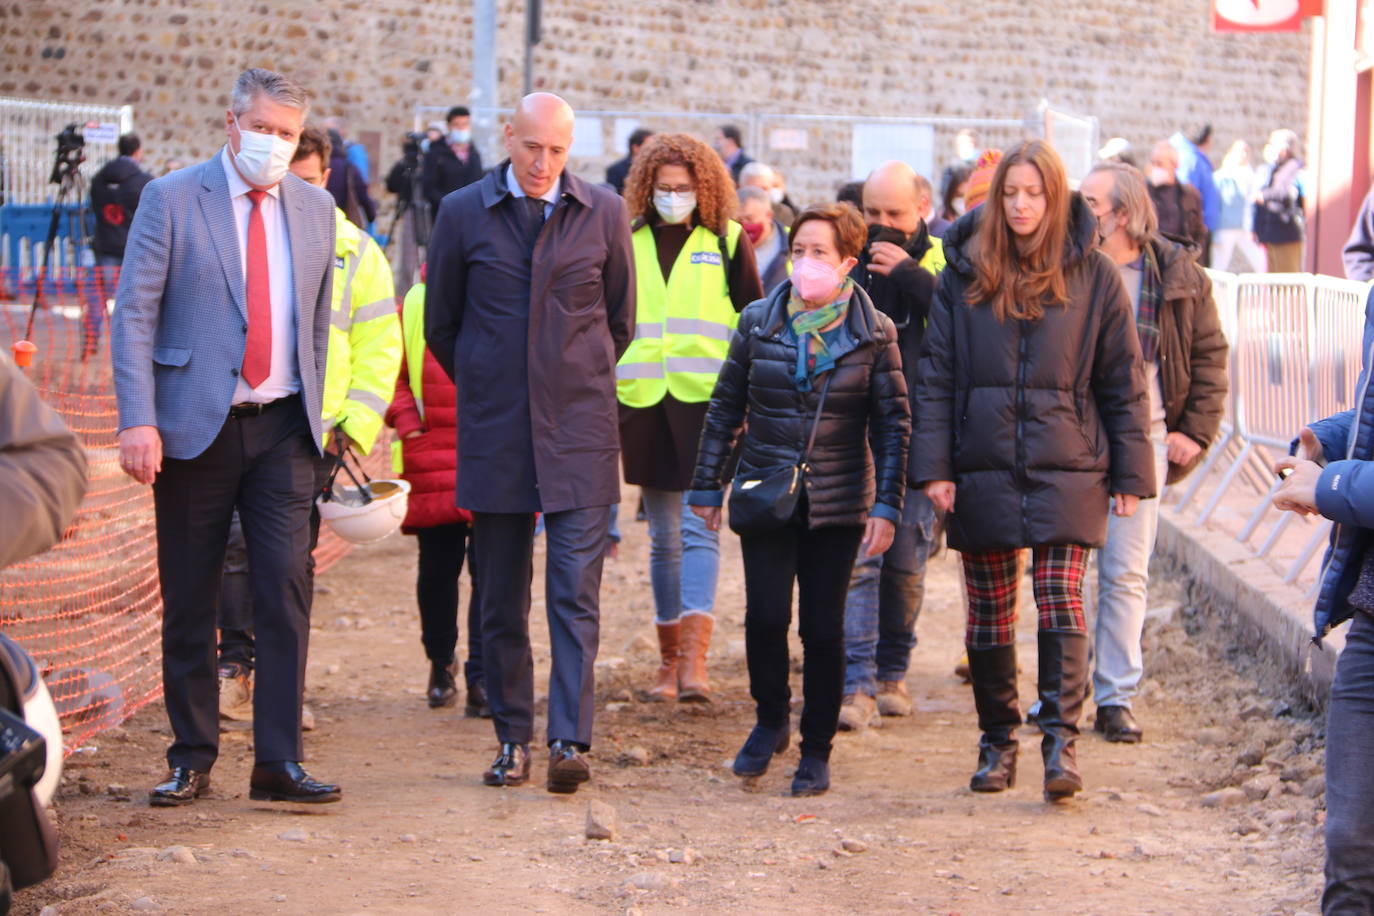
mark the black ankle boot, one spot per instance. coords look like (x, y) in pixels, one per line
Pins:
(442, 689)
(763, 742)
(812, 777)
(1063, 680)
(992, 672)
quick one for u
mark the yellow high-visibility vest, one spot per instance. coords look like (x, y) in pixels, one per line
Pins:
(413, 337)
(682, 327)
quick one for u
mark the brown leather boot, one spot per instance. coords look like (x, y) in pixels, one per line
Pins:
(696, 639)
(670, 651)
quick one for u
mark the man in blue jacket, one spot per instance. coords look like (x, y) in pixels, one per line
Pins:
(1332, 474)
(1194, 168)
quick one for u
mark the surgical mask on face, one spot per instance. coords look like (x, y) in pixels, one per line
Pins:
(1159, 176)
(754, 231)
(459, 136)
(775, 195)
(957, 205)
(674, 207)
(262, 159)
(815, 280)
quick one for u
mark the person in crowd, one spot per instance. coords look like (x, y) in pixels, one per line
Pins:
(966, 149)
(617, 171)
(815, 360)
(758, 175)
(1358, 254)
(1185, 357)
(529, 302)
(356, 153)
(777, 194)
(348, 186)
(1195, 170)
(898, 269)
(729, 143)
(1329, 475)
(1117, 149)
(115, 191)
(42, 469)
(219, 340)
(695, 272)
(980, 179)
(952, 202)
(363, 357)
(1179, 206)
(767, 235)
(1279, 217)
(1237, 184)
(451, 160)
(852, 193)
(423, 412)
(1033, 422)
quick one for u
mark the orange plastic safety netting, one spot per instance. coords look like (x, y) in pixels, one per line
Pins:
(88, 610)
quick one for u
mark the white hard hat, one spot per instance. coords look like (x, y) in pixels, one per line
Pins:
(38, 713)
(361, 519)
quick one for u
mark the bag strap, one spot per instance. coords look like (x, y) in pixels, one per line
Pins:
(816, 423)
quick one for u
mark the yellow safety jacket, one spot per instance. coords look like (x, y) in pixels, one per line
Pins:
(413, 336)
(364, 338)
(682, 327)
(934, 258)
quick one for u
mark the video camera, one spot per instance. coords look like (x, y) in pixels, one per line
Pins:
(71, 152)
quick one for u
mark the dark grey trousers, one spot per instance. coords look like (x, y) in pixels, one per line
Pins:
(572, 597)
(1350, 778)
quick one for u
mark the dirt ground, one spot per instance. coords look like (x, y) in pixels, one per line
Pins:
(1218, 812)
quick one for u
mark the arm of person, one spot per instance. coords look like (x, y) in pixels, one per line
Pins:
(1358, 254)
(618, 276)
(745, 285)
(917, 286)
(1118, 386)
(1208, 383)
(724, 418)
(42, 469)
(374, 341)
(445, 286)
(932, 450)
(889, 412)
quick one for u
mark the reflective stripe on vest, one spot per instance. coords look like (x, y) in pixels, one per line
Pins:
(682, 327)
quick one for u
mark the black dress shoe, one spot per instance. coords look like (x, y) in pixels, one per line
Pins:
(759, 748)
(1117, 724)
(568, 769)
(812, 777)
(442, 690)
(182, 787)
(477, 705)
(511, 766)
(288, 781)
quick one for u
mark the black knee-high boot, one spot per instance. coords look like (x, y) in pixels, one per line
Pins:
(1063, 681)
(993, 673)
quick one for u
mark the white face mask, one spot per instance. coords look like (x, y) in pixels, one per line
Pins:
(957, 205)
(775, 195)
(674, 207)
(1159, 176)
(262, 159)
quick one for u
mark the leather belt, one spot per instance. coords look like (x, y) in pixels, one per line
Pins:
(254, 409)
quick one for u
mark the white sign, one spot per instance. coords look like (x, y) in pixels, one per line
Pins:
(100, 133)
(878, 142)
(788, 138)
(587, 137)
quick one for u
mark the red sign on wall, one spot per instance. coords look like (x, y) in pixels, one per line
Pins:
(1262, 15)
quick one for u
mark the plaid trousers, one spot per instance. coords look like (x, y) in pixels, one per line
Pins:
(993, 580)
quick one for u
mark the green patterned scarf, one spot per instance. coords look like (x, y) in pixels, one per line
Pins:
(814, 358)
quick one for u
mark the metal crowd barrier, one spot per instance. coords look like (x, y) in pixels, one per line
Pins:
(1296, 350)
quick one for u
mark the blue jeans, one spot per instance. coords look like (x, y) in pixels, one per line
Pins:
(1349, 777)
(684, 557)
(885, 597)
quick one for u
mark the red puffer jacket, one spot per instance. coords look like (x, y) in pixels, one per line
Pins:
(431, 458)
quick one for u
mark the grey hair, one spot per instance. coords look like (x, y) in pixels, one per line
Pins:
(277, 87)
(1286, 140)
(1131, 198)
(750, 192)
(755, 169)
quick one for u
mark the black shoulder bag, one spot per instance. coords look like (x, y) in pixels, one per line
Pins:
(765, 500)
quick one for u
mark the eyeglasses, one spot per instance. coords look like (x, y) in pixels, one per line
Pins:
(679, 189)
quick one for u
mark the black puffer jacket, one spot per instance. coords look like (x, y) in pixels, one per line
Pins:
(1036, 422)
(756, 384)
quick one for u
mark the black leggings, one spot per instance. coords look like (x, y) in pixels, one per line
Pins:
(820, 561)
(442, 550)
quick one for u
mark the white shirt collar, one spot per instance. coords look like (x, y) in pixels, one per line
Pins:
(237, 186)
(550, 196)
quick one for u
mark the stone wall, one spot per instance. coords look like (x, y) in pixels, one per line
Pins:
(1143, 67)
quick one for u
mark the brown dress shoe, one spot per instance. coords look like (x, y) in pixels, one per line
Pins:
(670, 652)
(568, 769)
(696, 641)
(182, 787)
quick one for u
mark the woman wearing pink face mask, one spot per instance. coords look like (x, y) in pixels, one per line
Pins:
(815, 351)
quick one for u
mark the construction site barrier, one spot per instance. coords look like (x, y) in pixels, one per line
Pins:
(89, 609)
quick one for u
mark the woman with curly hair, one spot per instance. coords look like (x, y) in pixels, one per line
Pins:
(695, 272)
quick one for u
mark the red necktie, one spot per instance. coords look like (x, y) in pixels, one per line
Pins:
(257, 354)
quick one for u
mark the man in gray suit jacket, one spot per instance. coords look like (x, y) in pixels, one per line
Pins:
(218, 340)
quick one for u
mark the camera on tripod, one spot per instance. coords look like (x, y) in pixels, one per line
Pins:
(71, 152)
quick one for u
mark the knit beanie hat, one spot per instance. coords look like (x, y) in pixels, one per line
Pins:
(981, 178)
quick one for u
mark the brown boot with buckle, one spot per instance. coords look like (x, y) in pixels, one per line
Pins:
(696, 640)
(670, 654)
